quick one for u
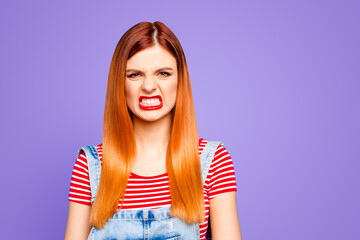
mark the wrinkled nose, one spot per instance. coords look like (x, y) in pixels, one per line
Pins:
(149, 85)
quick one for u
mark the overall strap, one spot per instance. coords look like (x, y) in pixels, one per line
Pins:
(206, 157)
(94, 165)
(94, 168)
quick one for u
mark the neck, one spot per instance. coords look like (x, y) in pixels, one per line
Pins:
(152, 135)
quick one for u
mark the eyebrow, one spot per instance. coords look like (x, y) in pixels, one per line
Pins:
(161, 69)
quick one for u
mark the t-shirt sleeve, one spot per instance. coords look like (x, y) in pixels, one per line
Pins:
(221, 174)
(80, 183)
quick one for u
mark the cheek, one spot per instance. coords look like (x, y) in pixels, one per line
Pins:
(129, 94)
(172, 91)
(175, 91)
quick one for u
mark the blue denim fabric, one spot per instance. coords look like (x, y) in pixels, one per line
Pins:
(154, 224)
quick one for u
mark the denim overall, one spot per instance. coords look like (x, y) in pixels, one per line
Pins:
(155, 224)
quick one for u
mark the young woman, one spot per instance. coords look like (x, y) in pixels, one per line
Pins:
(152, 177)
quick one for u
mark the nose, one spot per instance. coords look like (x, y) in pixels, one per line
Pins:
(149, 85)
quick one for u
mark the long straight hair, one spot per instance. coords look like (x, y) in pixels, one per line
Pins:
(119, 145)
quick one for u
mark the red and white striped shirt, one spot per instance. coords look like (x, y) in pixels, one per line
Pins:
(153, 191)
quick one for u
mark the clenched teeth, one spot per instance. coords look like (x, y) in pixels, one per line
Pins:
(150, 101)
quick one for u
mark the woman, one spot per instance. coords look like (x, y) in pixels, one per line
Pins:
(153, 184)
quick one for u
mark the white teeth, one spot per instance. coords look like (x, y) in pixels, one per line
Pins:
(150, 102)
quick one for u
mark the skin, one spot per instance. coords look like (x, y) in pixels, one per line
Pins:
(151, 127)
(224, 218)
(78, 227)
(152, 134)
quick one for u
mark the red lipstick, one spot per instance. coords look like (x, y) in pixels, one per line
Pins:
(150, 103)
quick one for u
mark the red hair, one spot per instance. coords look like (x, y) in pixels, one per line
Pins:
(119, 145)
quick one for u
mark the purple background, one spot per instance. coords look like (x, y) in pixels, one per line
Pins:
(276, 81)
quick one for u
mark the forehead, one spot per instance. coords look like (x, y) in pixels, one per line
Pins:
(151, 59)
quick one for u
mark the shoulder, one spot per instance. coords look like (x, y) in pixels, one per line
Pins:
(97, 148)
(216, 153)
(221, 155)
(221, 175)
(80, 190)
(203, 142)
(82, 159)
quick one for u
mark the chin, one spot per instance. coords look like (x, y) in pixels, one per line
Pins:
(148, 119)
(152, 117)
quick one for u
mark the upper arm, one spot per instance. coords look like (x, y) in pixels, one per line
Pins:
(78, 223)
(224, 218)
(221, 176)
(222, 197)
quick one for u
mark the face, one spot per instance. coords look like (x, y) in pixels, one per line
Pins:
(151, 84)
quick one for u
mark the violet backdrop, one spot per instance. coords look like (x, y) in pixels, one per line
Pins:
(276, 81)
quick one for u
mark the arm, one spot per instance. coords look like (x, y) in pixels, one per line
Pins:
(224, 218)
(222, 197)
(78, 226)
(78, 223)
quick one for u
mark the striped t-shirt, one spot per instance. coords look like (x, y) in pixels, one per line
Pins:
(153, 191)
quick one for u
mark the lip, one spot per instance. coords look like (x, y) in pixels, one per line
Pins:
(150, 107)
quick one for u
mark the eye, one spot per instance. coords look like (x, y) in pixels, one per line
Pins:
(133, 75)
(164, 74)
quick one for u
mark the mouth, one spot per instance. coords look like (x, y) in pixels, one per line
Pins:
(150, 103)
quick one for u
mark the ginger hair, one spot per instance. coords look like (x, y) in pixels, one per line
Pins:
(119, 145)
